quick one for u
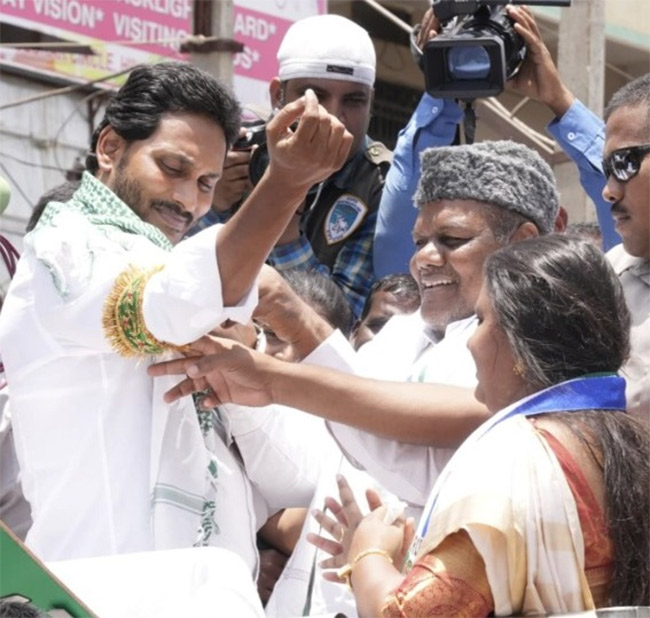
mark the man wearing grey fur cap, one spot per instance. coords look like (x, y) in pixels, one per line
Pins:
(477, 172)
(402, 426)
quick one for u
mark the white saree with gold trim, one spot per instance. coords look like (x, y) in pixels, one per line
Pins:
(507, 490)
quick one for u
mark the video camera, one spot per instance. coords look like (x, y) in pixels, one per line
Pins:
(477, 49)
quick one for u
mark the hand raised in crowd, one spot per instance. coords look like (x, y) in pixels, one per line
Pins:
(355, 533)
(317, 147)
(429, 28)
(538, 77)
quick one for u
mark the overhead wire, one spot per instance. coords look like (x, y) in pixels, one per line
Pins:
(64, 90)
(32, 164)
(62, 44)
(55, 140)
(195, 38)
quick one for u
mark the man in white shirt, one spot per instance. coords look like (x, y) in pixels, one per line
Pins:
(103, 286)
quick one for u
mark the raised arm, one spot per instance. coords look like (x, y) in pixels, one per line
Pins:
(579, 132)
(418, 413)
(300, 158)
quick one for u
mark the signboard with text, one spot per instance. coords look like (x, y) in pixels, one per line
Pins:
(261, 25)
(123, 33)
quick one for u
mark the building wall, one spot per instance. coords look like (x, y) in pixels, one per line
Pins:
(39, 141)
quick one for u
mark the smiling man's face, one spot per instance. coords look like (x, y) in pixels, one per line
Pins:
(452, 240)
(168, 179)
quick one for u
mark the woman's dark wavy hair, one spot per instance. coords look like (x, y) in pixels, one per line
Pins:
(156, 89)
(561, 306)
(563, 311)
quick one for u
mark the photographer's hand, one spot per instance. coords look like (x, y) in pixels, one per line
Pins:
(235, 182)
(538, 77)
(429, 28)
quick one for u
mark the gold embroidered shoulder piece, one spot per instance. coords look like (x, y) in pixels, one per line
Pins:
(122, 318)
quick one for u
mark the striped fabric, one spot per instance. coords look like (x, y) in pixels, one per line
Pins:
(508, 492)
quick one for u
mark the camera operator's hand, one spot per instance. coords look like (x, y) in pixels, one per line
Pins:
(235, 181)
(429, 28)
(317, 148)
(538, 77)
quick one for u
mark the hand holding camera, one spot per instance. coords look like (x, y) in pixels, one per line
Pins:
(476, 50)
(538, 77)
(234, 183)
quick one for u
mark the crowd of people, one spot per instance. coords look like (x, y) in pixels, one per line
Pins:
(374, 383)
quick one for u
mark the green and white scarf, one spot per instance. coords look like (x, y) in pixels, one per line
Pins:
(104, 209)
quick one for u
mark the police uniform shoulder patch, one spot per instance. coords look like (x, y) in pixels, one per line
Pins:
(344, 218)
(378, 154)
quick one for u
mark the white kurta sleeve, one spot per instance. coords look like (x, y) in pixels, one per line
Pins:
(79, 269)
(334, 352)
(183, 301)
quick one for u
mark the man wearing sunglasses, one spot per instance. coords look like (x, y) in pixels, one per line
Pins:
(626, 166)
(612, 157)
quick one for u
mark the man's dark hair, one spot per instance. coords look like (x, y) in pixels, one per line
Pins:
(323, 296)
(402, 286)
(586, 229)
(136, 109)
(60, 193)
(562, 308)
(634, 94)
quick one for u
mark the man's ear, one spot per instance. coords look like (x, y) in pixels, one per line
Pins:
(562, 220)
(275, 92)
(525, 230)
(110, 149)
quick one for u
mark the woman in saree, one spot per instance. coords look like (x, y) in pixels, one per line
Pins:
(545, 508)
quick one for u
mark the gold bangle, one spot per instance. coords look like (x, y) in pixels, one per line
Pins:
(345, 572)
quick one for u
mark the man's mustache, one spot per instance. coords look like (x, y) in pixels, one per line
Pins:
(175, 209)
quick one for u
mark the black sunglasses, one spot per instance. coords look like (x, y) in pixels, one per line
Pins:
(625, 163)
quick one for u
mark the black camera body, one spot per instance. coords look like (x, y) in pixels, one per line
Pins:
(478, 49)
(255, 135)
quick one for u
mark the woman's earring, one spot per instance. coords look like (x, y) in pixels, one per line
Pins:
(519, 369)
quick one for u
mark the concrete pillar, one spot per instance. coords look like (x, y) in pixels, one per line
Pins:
(218, 21)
